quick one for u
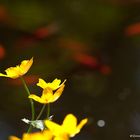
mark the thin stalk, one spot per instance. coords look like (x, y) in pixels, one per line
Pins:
(39, 115)
(48, 111)
(31, 103)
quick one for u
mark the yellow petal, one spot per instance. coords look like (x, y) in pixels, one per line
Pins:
(48, 134)
(3, 75)
(38, 99)
(54, 85)
(44, 135)
(13, 138)
(82, 123)
(69, 124)
(13, 72)
(62, 137)
(41, 83)
(58, 93)
(63, 83)
(54, 128)
(25, 65)
(68, 127)
(47, 95)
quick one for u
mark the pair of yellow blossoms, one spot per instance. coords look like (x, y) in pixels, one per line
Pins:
(69, 127)
(47, 95)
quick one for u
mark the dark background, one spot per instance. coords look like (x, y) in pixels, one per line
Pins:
(94, 44)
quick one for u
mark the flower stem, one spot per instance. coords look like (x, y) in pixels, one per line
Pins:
(39, 115)
(48, 111)
(31, 102)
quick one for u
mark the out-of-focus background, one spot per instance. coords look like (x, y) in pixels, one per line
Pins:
(94, 44)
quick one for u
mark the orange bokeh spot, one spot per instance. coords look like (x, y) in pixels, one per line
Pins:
(87, 60)
(42, 32)
(46, 31)
(73, 45)
(105, 69)
(32, 79)
(133, 29)
(3, 13)
(2, 52)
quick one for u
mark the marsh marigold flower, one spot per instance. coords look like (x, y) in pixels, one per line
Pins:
(69, 127)
(19, 70)
(48, 96)
(43, 135)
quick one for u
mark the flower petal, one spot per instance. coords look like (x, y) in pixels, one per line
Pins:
(54, 85)
(63, 83)
(3, 75)
(54, 128)
(25, 65)
(38, 99)
(47, 95)
(82, 123)
(13, 72)
(44, 135)
(58, 93)
(62, 137)
(13, 138)
(41, 83)
(69, 124)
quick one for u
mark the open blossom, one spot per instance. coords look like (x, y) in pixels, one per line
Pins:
(51, 91)
(19, 70)
(47, 95)
(69, 127)
(55, 84)
(43, 135)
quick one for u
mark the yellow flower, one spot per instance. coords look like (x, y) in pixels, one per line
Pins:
(69, 127)
(54, 85)
(43, 135)
(19, 70)
(47, 95)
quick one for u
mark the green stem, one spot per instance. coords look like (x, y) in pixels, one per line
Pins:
(48, 111)
(31, 102)
(39, 115)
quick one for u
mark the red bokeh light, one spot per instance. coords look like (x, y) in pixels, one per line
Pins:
(2, 52)
(87, 60)
(105, 69)
(133, 29)
(32, 79)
